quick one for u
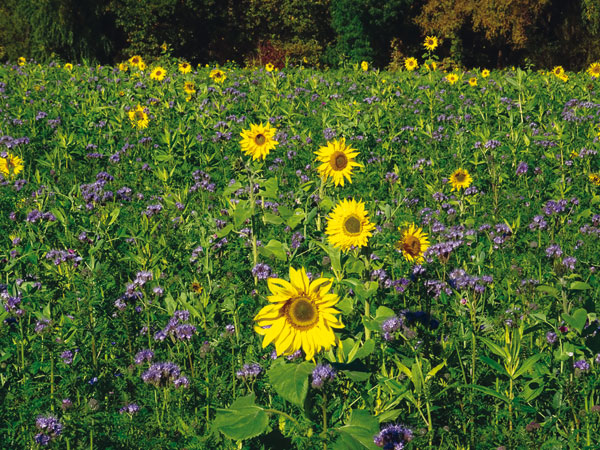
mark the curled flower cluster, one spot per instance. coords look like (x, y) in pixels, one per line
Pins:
(176, 328)
(249, 371)
(393, 437)
(321, 374)
(49, 427)
(163, 373)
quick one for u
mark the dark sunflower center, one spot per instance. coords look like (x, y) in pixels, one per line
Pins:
(260, 139)
(218, 75)
(139, 115)
(460, 177)
(339, 161)
(352, 225)
(302, 313)
(158, 72)
(411, 245)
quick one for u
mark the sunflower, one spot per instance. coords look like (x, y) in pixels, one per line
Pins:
(558, 71)
(138, 117)
(364, 66)
(451, 78)
(269, 67)
(11, 165)
(431, 42)
(189, 88)
(301, 315)
(349, 226)
(411, 64)
(158, 73)
(123, 67)
(258, 140)
(185, 67)
(217, 75)
(69, 66)
(460, 179)
(594, 70)
(142, 66)
(473, 81)
(197, 287)
(594, 178)
(338, 161)
(413, 243)
(21, 61)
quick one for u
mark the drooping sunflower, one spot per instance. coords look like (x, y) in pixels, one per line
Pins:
(594, 179)
(337, 161)
(217, 75)
(594, 70)
(411, 64)
(269, 67)
(451, 78)
(258, 140)
(158, 73)
(11, 166)
(558, 71)
(473, 81)
(301, 315)
(431, 43)
(460, 179)
(348, 225)
(185, 67)
(413, 243)
(197, 287)
(485, 73)
(138, 117)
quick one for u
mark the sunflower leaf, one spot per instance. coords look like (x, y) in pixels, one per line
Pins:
(242, 420)
(358, 432)
(290, 381)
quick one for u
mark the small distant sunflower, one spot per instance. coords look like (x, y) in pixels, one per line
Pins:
(364, 66)
(564, 77)
(11, 166)
(269, 67)
(485, 73)
(135, 60)
(217, 75)
(301, 315)
(451, 78)
(338, 161)
(594, 178)
(413, 243)
(138, 117)
(473, 81)
(258, 140)
(594, 70)
(142, 66)
(558, 71)
(69, 66)
(431, 43)
(123, 67)
(185, 67)
(197, 287)
(460, 179)
(348, 225)
(164, 47)
(158, 73)
(411, 64)
(21, 61)
(189, 88)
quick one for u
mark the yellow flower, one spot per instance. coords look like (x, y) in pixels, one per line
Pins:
(431, 42)
(258, 140)
(138, 117)
(413, 243)
(348, 225)
(142, 66)
(185, 67)
(197, 287)
(473, 81)
(564, 77)
(558, 71)
(69, 66)
(594, 178)
(269, 67)
(594, 70)
(217, 75)
(21, 61)
(163, 47)
(135, 61)
(485, 73)
(460, 179)
(451, 78)
(189, 88)
(411, 64)
(364, 66)
(11, 166)
(300, 315)
(123, 67)
(338, 161)
(158, 73)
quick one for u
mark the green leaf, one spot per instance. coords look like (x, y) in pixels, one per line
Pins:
(494, 365)
(242, 420)
(495, 348)
(225, 231)
(579, 286)
(528, 364)
(272, 219)
(290, 381)
(271, 189)
(489, 391)
(358, 432)
(547, 290)
(243, 211)
(274, 248)
(577, 320)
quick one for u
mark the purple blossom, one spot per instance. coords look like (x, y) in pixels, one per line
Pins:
(321, 374)
(249, 371)
(393, 437)
(131, 408)
(261, 271)
(582, 365)
(143, 355)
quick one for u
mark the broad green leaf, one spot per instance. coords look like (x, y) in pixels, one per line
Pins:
(494, 365)
(272, 219)
(242, 420)
(358, 432)
(270, 188)
(577, 320)
(495, 348)
(225, 231)
(579, 286)
(547, 290)
(291, 380)
(243, 211)
(274, 248)
(528, 364)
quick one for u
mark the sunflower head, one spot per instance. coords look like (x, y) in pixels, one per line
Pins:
(431, 43)
(348, 225)
(185, 67)
(21, 61)
(269, 67)
(158, 73)
(300, 315)
(558, 71)
(364, 66)
(138, 117)
(189, 88)
(460, 179)
(451, 78)
(413, 243)
(197, 287)
(473, 81)
(337, 161)
(411, 64)
(594, 179)
(217, 75)
(11, 166)
(123, 67)
(258, 140)
(485, 73)
(594, 70)
(69, 66)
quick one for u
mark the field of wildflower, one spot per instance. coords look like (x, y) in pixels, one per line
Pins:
(226, 258)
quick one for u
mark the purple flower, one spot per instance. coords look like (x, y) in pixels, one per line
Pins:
(393, 437)
(249, 371)
(582, 365)
(261, 271)
(569, 262)
(143, 355)
(553, 251)
(322, 373)
(551, 337)
(522, 168)
(161, 373)
(67, 356)
(131, 408)
(50, 428)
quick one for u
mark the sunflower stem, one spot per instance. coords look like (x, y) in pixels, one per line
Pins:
(324, 408)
